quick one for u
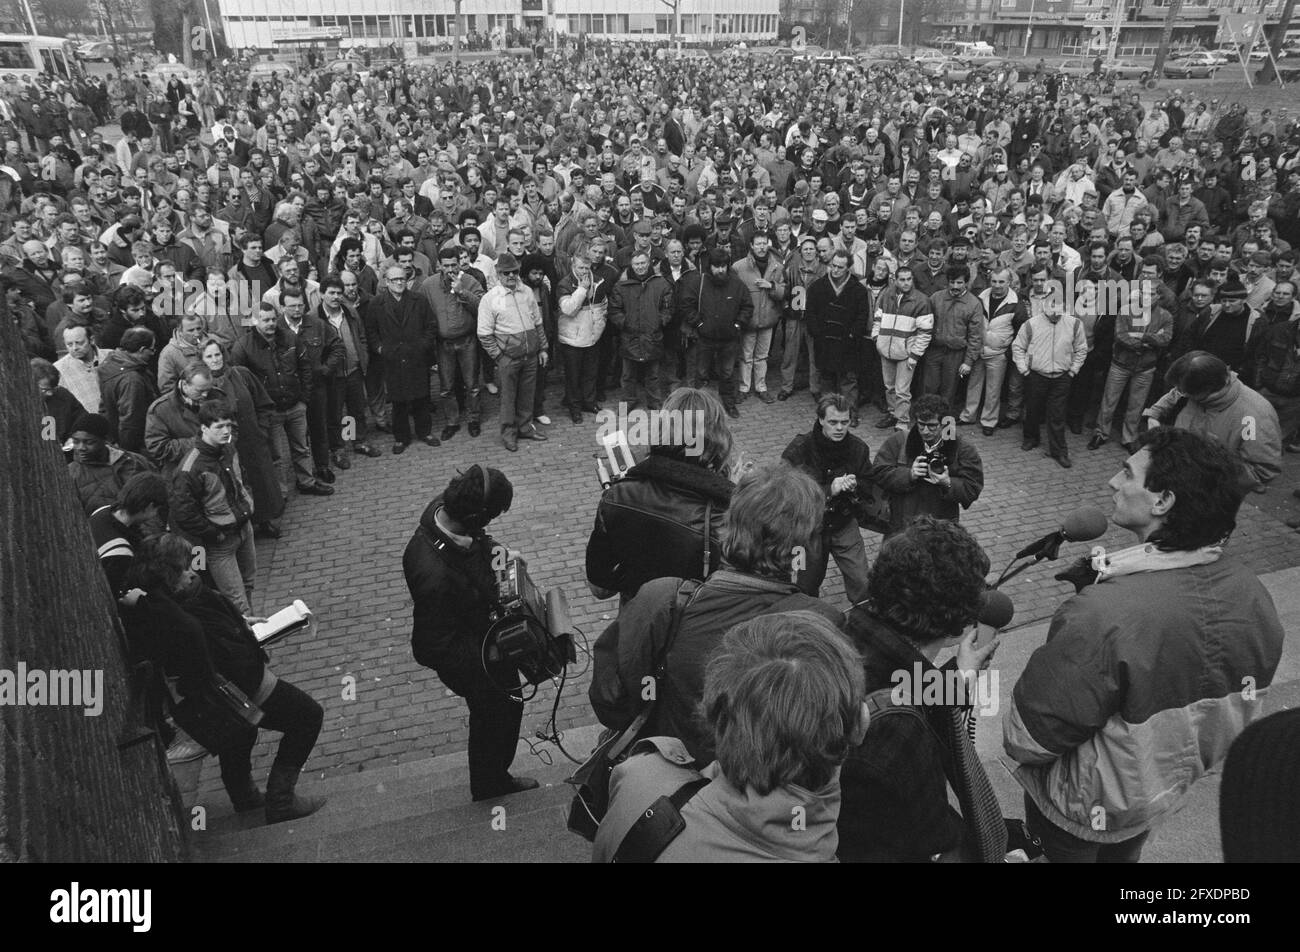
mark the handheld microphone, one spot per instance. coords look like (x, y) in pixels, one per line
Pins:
(996, 609)
(1082, 525)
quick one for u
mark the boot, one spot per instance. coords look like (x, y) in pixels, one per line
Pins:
(243, 793)
(281, 803)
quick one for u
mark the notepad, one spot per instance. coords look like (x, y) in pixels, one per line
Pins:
(283, 623)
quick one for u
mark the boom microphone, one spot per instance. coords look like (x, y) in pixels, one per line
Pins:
(1082, 525)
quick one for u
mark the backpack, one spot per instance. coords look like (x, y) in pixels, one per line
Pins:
(591, 780)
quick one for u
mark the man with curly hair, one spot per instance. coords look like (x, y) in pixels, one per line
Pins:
(926, 589)
(1151, 671)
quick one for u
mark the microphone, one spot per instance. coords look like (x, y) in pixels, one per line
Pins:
(1082, 525)
(996, 609)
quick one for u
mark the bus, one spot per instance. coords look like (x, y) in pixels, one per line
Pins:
(23, 55)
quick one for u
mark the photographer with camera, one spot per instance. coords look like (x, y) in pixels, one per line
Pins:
(841, 464)
(928, 470)
(450, 573)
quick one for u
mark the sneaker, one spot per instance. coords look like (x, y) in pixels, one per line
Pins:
(766, 396)
(185, 749)
(543, 419)
(448, 431)
(493, 389)
(340, 459)
(475, 428)
(399, 449)
(316, 489)
(431, 440)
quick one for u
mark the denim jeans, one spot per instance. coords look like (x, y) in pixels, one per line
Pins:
(289, 445)
(754, 348)
(232, 563)
(898, 389)
(458, 366)
(517, 378)
(348, 393)
(1118, 379)
(846, 544)
(986, 378)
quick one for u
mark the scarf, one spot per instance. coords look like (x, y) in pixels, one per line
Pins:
(830, 454)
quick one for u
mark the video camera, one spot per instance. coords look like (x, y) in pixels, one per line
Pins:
(617, 461)
(529, 631)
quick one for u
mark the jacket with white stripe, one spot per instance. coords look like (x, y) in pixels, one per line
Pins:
(903, 324)
(1003, 321)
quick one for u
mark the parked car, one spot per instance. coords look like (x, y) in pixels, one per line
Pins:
(96, 51)
(1198, 65)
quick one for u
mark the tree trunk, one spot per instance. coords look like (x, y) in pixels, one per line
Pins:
(67, 792)
(1268, 74)
(1166, 37)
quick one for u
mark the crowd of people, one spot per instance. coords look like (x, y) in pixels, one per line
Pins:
(232, 297)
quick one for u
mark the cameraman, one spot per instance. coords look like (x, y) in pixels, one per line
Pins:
(448, 566)
(924, 474)
(841, 464)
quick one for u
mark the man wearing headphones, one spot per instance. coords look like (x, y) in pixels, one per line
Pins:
(451, 567)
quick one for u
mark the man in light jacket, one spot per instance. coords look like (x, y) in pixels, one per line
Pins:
(762, 274)
(510, 329)
(1049, 350)
(1005, 313)
(903, 324)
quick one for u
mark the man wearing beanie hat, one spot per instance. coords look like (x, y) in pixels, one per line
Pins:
(98, 470)
(449, 567)
(1137, 692)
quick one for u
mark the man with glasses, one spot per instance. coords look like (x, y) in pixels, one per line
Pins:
(403, 333)
(511, 331)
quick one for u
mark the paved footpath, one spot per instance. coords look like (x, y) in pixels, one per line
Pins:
(342, 556)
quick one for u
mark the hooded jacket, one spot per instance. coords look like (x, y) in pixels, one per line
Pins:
(582, 312)
(1228, 417)
(641, 307)
(127, 389)
(722, 823)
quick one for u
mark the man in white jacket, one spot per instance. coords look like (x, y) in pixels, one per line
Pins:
(1049, 350)
(1004, 314)
(901, 328)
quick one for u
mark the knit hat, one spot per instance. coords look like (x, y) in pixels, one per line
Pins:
(92, 423)
(1259, 813)
(1232, 289)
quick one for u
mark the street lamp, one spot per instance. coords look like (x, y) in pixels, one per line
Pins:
(1029, 27)
(900, 22)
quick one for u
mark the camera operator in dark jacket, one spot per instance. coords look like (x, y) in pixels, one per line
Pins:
(774, 510)
(453, 583)
(651, 523)
(923, 472)
(841, 464)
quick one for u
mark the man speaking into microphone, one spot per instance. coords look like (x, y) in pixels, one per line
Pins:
(1152, 669)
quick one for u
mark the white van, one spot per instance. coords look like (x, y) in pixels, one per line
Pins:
(978, 48)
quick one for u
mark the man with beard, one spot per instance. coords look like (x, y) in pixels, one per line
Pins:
(841, 464)
(450, 571)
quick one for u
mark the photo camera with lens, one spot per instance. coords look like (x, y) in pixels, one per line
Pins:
(530, 631)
